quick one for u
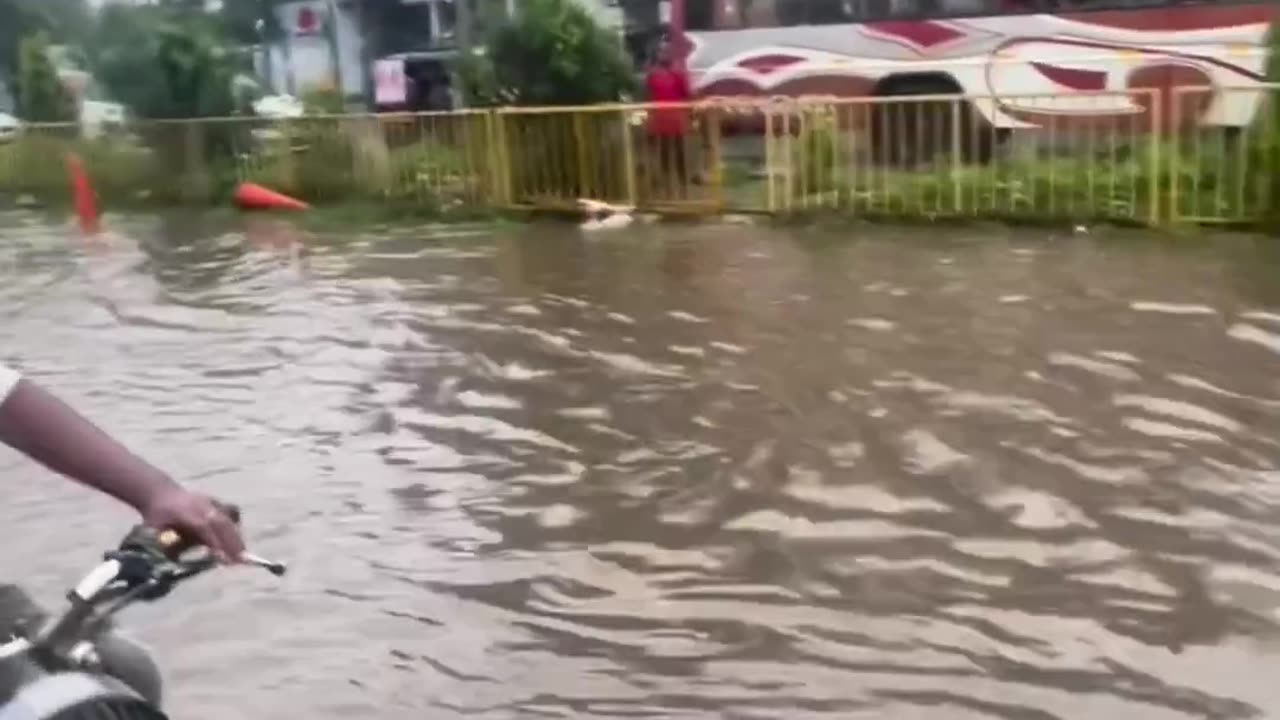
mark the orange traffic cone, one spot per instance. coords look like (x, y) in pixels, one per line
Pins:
(86, 201)
(251, 196)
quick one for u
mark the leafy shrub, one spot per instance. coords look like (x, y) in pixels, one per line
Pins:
(323, 101)
(163, 64)
(121, 171)
(327, 162)
(816, 152)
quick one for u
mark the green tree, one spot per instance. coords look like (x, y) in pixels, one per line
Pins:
(66, 21)
(16, 22)
(164, 64)
(551, 53)
(40, 93)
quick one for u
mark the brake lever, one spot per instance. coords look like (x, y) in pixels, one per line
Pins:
(275, 568)
(167, 546)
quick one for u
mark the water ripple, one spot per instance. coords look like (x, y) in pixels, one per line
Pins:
(715, 474)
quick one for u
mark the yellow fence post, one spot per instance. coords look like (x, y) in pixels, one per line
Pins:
(1175, 155)
(506, 175)
(717, 165)
(770, 202)
(580, 150)
(629, 158)
(494, 160)
(1156, 138)
(957, 153)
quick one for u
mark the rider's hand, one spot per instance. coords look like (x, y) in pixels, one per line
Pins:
(198, 517)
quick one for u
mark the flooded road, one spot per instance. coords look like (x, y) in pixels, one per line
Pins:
(680, 472)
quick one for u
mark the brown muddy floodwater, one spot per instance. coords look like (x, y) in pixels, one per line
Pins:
(680, 472)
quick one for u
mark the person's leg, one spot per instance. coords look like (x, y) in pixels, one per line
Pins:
(657, 165)
(679, 145)
(671, 166)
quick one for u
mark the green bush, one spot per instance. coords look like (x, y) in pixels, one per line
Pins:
(1035, 187)
(478, 81)
(33, 164)
(323, 101)
(816, 152)
(551, 53)
(426, 171)
(121, 171)
(319, 162)
(324, 162)
(308, 160)
(163, 64)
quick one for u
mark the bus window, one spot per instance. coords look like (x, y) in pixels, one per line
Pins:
(757, 13)
(832, 12)
(908, 8)
(770, 13)
(789, 12)
(701, 14)
(963, 7)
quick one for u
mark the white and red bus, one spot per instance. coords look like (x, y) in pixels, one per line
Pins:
(1000, 52)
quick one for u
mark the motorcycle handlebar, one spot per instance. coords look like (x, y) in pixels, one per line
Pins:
(172, 543)
(146, 565)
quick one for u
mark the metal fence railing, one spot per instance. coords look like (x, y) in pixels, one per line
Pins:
(935, 156)
(1190, 154)
(1220, 173)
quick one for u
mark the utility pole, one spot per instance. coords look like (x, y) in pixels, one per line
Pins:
(366, 52)
(463, 31)
(331, 35)
(265, 45)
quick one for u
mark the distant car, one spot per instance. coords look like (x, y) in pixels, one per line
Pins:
(97, 116)
(275, 107)
(9, 127)
(278, 107)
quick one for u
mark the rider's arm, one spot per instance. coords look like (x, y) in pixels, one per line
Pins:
(47, 430)
(36, 423)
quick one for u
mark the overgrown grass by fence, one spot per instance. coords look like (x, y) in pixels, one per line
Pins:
(1142, 157)
(935, 157)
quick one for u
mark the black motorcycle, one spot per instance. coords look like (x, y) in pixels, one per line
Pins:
(74, 666)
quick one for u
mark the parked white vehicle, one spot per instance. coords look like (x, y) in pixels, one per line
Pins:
(9, 127)
(278, 107)
(275, 107)
(98, 115)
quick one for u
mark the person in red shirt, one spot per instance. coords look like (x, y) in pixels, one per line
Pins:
(666, 82)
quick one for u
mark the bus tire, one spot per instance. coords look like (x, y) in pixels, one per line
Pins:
(906, 132)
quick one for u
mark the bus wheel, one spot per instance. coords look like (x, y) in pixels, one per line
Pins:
(908, 132)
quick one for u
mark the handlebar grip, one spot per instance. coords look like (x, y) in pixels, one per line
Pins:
(172, 542)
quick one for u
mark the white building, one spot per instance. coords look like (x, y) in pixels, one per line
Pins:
(322, 48)
(323, 45)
